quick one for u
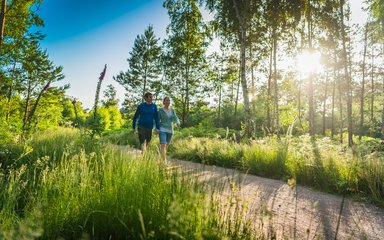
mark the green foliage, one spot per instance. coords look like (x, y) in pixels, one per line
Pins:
(116, 119)
(107, 118)
(122, 137)
(63, 189)
(321, 163)
(183, 58)
(144, 67)
(73, 113)
(266, 160)
(377, 8)
(110, 97)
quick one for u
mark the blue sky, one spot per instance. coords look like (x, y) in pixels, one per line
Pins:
(83, 35)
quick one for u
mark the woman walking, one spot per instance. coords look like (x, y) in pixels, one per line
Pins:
(167, 117)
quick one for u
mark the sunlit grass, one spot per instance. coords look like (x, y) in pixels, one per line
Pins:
(322, 163)
(98, 191)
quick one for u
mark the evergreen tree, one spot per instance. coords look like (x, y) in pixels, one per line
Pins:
(110, 97)
(144, 69)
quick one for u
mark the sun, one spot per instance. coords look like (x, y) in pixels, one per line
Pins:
(308, 61)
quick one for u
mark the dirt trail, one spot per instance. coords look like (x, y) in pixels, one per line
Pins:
(293, 212)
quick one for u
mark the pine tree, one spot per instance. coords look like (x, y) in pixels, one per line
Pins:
(144, 69)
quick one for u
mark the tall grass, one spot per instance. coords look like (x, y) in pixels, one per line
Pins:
(122, 137)
(68, 187)
(321, 163)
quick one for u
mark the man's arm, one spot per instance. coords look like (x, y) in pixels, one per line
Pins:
(137, 113)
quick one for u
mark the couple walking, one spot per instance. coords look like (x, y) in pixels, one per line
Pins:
(147, 113)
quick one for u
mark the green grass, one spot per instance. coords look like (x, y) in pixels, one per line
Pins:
(321, 163)
(66, 186)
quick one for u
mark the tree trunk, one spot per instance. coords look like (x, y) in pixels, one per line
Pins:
(269, 97)
(253, 87)
(325, 104)
(276, 90)
(244, 81)
(347, 76)
(333, 104)
(237, 94)
(243, 42)
(219, 110)
(372, 82)
(362, 96)
(185, 103)
(144, 87)
(382, 113)
(311, 76)
(382, 117)
(34, 107)
(311, 107)
(2, 22)
(340, 88)
(299, 104)
(26, 107)
(10, 90)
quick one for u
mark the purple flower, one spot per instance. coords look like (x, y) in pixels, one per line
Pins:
(102, 74)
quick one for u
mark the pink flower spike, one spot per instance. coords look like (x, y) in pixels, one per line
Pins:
(102, 74)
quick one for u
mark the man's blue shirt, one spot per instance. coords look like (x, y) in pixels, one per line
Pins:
(146, 113)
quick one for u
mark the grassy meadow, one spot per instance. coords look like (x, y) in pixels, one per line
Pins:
(61, 185)
(322, 163)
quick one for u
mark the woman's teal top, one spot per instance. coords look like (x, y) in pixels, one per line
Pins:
(166, 120)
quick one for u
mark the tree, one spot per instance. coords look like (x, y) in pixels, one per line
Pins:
(40, 72)
(184, 57)
(110, 97)
(2, 21)
(282, 16)
(16, 19)
(224, 72)
(232, 17)
(362, 94)
(377, 10)
(144, 66)
(347, 75)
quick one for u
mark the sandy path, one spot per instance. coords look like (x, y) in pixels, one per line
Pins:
(292, 212)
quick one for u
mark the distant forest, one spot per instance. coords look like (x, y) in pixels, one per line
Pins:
(297, 66)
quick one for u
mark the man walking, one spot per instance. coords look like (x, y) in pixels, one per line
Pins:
(145, 115)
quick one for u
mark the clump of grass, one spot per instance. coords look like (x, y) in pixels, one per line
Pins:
(209, 151)
(187, 149)
(266, 160)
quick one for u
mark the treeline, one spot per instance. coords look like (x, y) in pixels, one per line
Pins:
(345, 97)
(241, 86)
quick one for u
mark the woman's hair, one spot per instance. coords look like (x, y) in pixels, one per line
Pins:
(166, 99)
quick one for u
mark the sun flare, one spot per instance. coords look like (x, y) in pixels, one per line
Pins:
(308, 62)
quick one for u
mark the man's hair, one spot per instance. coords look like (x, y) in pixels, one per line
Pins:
(147, 94)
